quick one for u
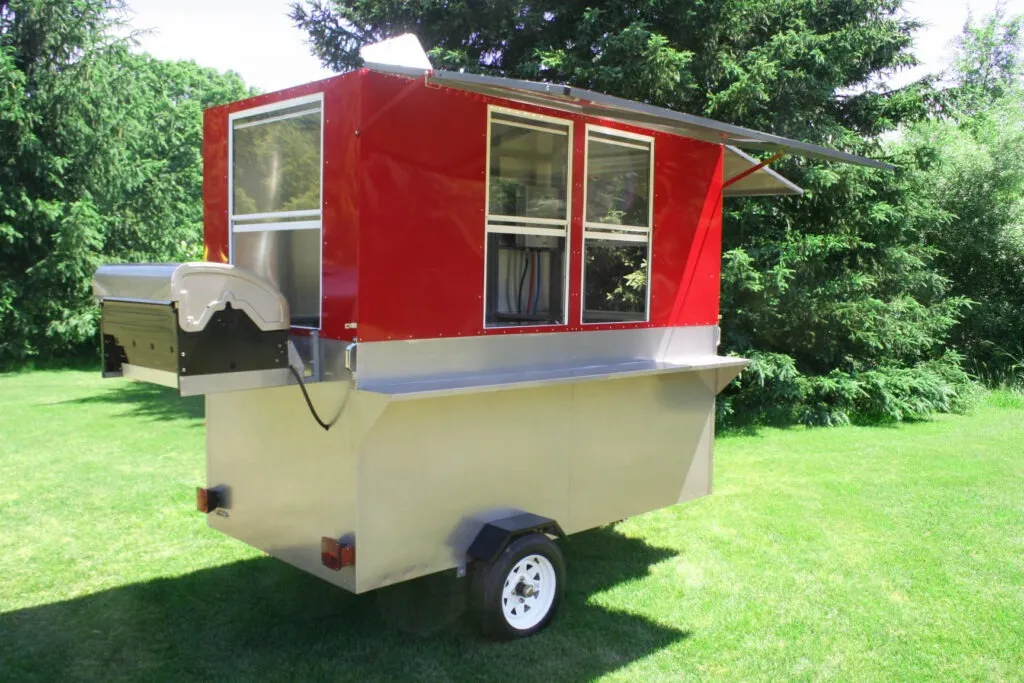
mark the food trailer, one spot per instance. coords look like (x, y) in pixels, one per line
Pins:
(444, 319)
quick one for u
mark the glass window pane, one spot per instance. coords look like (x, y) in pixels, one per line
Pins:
(618, 182)
(525, 279)
(614, 281)
(529, 174)
(276, 165)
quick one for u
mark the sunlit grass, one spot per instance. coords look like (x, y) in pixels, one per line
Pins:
(857, 553)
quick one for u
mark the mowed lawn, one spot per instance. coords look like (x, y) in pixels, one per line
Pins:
(852, 554)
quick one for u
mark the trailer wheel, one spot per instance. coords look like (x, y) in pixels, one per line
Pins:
(519, 593)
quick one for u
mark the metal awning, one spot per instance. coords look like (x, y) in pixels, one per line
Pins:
(762, 182)
(580, 101)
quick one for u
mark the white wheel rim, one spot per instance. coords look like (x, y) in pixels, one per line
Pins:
(529, 592)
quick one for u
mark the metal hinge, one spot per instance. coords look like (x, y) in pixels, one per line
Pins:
(350, 358)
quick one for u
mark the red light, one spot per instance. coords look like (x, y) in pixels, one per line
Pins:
(334, 555)
(207, 500)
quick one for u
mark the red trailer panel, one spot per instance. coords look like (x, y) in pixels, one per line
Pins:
(404, 195)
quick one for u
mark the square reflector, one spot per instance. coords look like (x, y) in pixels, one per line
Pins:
(334, 555)
(207, 500)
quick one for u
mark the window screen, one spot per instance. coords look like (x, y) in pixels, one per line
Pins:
(527, 219)
(617, 226)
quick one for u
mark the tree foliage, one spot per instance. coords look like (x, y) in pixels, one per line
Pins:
(988, 63)
(101, 161)
(971, 168)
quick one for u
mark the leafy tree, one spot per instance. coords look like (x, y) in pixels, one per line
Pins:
(975, 175)
(835, 294)
(100, 162)
(988, 61)
(972, 169)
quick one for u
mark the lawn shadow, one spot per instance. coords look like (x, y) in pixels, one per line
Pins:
(146, 400)
(262, 620)
(733, 431)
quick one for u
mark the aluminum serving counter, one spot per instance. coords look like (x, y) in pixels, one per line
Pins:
(445, 320)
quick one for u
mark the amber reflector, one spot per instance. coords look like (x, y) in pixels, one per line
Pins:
(207, 500)
(334, 555)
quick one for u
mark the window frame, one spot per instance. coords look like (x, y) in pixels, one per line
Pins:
(314, 216)
(519, 225)
(635, 231)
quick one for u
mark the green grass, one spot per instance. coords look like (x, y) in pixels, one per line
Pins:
(854, 554)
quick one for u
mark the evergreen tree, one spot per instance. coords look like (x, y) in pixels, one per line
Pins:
(100, 162)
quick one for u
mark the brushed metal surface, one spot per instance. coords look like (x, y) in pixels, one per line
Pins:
(290, 259)
(422, 368)
(521, 379)
(140, 373)
(431, 472)
(437, 358)
(412, 482)
(289, 482)
(198, 289)
(143, 281)
(196, 385)
(763, 182)
(640, 444)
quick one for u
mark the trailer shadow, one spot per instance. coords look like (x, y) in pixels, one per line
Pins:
(263, 620)
(146, 400)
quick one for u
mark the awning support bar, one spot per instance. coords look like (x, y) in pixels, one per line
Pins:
(753, 169)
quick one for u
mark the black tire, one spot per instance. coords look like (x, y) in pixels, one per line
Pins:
(489, 586)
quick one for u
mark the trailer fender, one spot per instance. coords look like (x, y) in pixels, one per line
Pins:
(495, 536)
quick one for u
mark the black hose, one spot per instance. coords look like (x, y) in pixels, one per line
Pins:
(522, 281)
(309, 404)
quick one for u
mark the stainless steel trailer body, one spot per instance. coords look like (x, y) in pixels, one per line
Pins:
(416, 465)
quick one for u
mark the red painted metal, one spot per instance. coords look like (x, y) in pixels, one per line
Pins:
(215, 185)
(579, 134)
(687, 232)
(403, 215)
(282, 95)
(686, 236)
(421, 250)
(342, 169)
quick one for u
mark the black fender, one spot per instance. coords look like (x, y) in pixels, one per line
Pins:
(495, 536)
